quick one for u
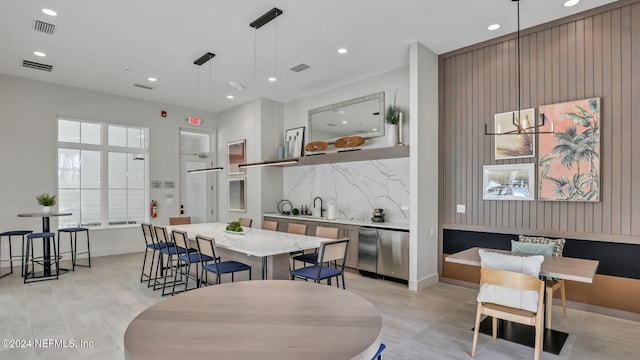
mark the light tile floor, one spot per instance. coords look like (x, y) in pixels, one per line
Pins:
(97, 305)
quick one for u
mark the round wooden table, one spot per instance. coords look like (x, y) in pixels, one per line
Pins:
(268, 319)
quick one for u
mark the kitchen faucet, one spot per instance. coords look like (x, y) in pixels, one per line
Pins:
(314, 204)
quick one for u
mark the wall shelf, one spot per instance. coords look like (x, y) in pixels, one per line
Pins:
(358, 155)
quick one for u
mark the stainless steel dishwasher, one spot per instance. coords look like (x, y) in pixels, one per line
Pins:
(384, 253)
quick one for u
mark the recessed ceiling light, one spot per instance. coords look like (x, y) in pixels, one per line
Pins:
(152, 79)
(344, 121)
(342, 51)
(571, 2)
(374, 129)
(49, 12)
(272, 79)
(229, 96)
(39, 53)
(494, 27)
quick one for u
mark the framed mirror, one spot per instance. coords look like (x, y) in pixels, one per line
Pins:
(363, 116)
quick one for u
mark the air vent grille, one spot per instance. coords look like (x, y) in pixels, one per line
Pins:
(44, 27)
(37, 66)
(300, 67)
(143, 86)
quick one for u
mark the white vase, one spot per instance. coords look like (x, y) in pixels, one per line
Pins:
(46, 209)
(392, 134)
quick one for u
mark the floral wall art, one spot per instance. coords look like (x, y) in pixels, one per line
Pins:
(569, 158)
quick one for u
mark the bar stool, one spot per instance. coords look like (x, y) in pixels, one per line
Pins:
(53, 258)
(9, 234)
(73, 241)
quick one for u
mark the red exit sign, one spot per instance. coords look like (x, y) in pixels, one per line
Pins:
(194, 120)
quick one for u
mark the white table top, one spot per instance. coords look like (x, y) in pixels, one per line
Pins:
(559, 267)
(256, 242)
(271, 319)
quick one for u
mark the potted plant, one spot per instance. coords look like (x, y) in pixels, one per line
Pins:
(46, 201)
(392, 117)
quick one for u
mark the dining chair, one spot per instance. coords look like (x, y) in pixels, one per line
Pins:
(510, 290)
(312, 257)
(30, 276)
(180, 220)
(73, 241)
(150, 244)
(378, 354)
(9, 235)
(207, 247)
(330, 250)
(246, 222)
(170, 249)
(300, 229)
(270, 225)
(551, 284)
(192, 256)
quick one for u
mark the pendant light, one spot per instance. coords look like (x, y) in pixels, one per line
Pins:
(517, 122)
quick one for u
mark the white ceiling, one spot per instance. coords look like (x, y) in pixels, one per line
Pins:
(96, 40)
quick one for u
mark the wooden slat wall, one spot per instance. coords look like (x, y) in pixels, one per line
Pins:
(593, 55)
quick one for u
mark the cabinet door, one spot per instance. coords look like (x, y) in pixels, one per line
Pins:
(352, 255)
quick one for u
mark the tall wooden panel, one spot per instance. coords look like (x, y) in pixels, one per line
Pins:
(596, 54)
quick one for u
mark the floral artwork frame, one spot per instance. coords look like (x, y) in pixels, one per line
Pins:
(237, 194)
(236, 155)
(509, 182)
(295, 137)
(569, 158)
(514, 146)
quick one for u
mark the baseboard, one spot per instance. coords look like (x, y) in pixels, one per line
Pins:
(425, 282)
(115, 251)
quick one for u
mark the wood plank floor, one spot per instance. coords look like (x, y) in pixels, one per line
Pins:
(97, 305)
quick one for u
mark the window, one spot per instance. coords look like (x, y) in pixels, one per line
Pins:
(101, 173)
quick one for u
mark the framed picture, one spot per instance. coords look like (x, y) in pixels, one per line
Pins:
(569, 158)
(294, 142)
(508, 182)
(514, 146)
(238, 194)
(236, 156)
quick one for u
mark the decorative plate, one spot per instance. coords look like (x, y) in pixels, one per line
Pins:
(315, 146)
(235, 232)
(349, 141)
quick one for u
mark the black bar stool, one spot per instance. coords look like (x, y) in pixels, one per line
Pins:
(73, 241)
(31, 276)
(9, 234)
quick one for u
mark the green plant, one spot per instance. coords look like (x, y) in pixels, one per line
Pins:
(46, 199)
(393, 113)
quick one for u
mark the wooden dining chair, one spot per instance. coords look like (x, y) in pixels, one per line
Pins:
(270, 225)
(246, 222)
(312, 257)
(180, 220)
(331, 250)
(552, 285)
(300, 229)
(509, 281)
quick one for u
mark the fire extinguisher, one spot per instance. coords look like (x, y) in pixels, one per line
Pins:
(154, 209)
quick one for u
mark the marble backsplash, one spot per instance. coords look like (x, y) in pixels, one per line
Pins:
(356, 188)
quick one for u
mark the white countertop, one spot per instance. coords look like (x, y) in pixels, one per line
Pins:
(385, 225)
(255, 242)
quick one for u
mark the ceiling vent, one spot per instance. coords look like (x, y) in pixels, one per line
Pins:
(143, 86)
(37, 66)
(300, 67)
(44, 27)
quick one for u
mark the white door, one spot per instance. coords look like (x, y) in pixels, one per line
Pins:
(197, 190)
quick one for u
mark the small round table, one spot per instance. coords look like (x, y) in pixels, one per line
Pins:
(260, 319)
(46, 251)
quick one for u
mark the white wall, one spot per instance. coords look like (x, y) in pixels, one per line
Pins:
(296, 112)
(259, 122)
(28, 150)
(423, 250)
